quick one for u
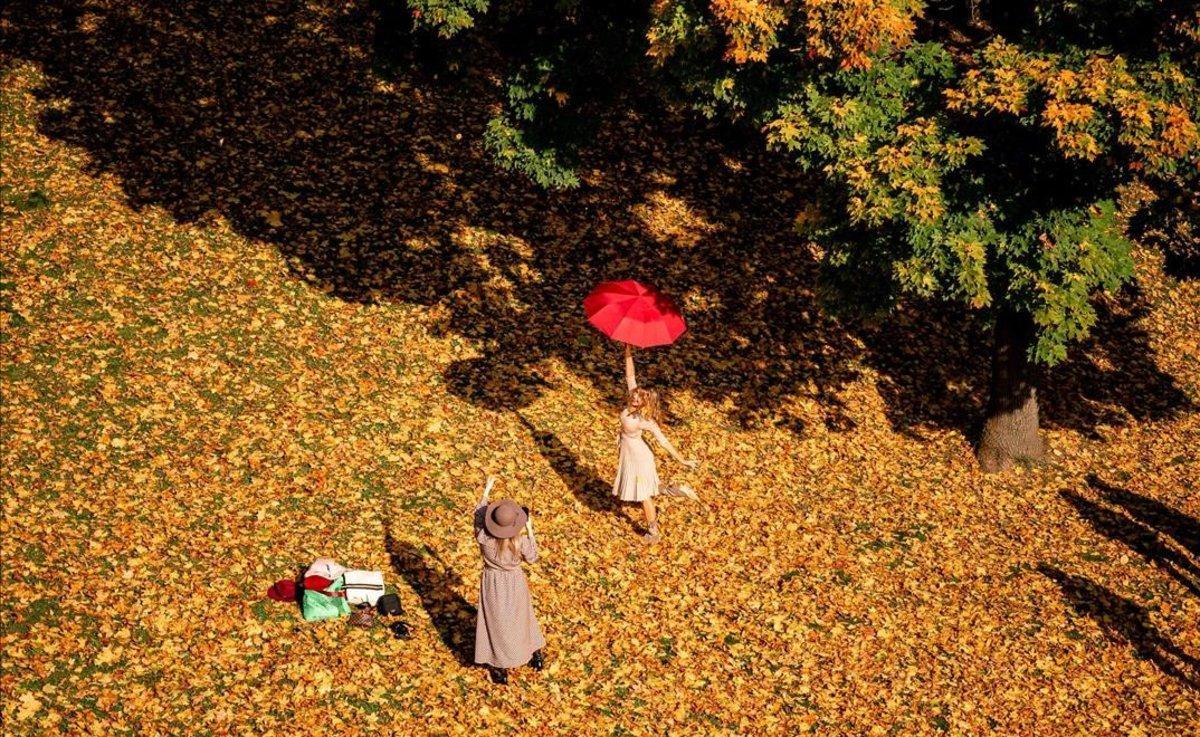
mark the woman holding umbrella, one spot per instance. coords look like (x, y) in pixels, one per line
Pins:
(635, 314)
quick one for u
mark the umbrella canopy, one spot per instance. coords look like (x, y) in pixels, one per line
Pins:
(634, 313)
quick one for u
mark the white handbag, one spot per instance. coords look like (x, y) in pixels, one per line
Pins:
(362, 587)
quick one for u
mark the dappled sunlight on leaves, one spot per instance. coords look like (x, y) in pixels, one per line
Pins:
(208, 382)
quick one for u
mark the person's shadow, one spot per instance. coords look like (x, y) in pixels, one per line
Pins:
(437, 586)
(583, 481)
(1124, 620)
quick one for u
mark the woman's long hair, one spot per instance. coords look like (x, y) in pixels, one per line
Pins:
(507, 548)
(648, 407)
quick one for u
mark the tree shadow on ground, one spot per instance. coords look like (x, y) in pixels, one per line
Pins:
(583, 481)
(437, 586)
(273, 116)
(1123, 620)
(1183, 529)
(936, 372)
(1112, 377)
(1138, 522)
(1138, 537)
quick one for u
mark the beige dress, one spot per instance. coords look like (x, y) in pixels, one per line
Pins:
(637, 475)
(506, 630)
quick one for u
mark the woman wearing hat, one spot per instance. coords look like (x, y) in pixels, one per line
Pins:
(506, 631)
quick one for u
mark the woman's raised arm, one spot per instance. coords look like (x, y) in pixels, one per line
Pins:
(529, 548)
(477, 515)
(630, 377)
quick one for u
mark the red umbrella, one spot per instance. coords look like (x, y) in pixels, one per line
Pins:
(634, 313)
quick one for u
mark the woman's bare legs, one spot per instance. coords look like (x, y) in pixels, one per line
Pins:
(651, 518)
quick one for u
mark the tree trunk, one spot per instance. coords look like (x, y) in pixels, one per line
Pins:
(1011, 430)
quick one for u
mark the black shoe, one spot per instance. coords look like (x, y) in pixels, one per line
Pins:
(399, 630)
(538, 661)
(499, 676)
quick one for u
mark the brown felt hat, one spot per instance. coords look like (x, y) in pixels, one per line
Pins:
(504, 519)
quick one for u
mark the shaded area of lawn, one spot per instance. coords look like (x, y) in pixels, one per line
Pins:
(311, 127)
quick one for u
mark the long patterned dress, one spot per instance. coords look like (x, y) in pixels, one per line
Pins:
(506, 631)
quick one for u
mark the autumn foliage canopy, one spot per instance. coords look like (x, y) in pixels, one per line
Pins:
(995, 164)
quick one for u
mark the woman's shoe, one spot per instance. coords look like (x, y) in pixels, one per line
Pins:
(499, 676)
(652, 534)
(538, 661)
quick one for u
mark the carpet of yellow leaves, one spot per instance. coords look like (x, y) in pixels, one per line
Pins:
(202, 393)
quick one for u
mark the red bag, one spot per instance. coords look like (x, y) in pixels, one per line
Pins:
(318, 583)
(282, 590)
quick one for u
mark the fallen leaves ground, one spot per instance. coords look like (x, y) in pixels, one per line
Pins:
(262, 304)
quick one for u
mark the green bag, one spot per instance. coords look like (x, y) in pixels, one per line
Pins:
(317, 606)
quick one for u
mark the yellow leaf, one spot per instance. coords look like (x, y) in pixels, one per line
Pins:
(29, 706)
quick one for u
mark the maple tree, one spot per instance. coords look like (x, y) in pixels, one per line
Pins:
(999, 173)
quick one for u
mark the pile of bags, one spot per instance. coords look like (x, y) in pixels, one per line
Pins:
(328, 590)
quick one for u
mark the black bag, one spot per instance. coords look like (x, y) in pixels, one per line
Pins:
(389, 605)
